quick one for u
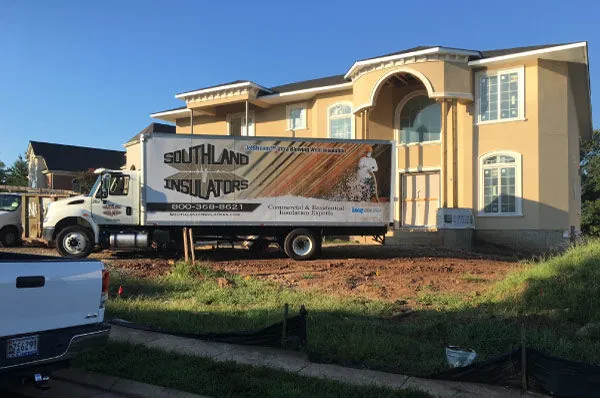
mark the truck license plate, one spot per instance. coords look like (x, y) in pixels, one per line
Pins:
(22, 347)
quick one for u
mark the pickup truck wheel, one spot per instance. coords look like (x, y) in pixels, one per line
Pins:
(10, 237)
(74, 242)
(302, 244)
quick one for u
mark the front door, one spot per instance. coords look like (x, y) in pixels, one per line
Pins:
(120, 207)
(420, 199)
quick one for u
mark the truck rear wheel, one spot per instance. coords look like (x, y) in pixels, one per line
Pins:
(74, 242)
(302, 244)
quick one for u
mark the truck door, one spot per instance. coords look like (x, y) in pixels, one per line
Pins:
(117, 201)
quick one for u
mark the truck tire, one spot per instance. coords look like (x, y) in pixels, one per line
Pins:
(10, 237)
(74, 242)
(302, 244)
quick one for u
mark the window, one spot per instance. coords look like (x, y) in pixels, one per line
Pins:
(501, 184)
(500, 95)
(340, 121)
(296, 116)
(418, 119)
(236, 124)
(119, 185)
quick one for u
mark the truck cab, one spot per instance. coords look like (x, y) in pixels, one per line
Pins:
(10, 219)
(79, 223)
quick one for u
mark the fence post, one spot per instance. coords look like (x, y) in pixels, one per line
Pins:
(523, 358)
(192, 246)
(185, 244)
(284, 327)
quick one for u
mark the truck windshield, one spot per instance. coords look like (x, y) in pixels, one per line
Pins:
(95, 187)
(9, 202)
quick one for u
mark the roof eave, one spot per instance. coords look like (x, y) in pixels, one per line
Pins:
(304, 93)
(427, 51)
(538, 52)
(183, 96)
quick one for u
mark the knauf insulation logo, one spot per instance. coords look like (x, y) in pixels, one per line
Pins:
(204, 172)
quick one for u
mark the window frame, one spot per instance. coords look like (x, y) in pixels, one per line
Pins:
(518, 183)
(520, 70)
(397, 127)
(352, 126)
(288, 110)
(126, 179)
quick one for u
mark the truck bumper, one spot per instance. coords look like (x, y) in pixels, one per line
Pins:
(48, 233)
(52, 347)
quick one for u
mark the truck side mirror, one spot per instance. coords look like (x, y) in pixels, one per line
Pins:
(104, 186)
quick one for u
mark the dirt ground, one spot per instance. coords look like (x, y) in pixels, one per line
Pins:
(367, 271)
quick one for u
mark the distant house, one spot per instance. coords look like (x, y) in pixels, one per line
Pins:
(133, 150)
(56, 165)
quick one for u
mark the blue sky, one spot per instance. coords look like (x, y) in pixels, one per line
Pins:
(90, 73)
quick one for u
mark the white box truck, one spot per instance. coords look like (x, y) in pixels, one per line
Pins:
(293, 191)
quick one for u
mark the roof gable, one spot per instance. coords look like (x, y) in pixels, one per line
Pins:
(60, 157)
(151, 129)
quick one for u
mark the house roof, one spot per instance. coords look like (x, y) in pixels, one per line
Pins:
(153, 128)
(305, 84)
(60, 157)
(476, 55)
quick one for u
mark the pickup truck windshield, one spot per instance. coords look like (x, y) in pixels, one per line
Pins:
(94, 188)
(9, 202)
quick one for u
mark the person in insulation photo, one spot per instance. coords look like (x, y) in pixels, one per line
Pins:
(367, 181)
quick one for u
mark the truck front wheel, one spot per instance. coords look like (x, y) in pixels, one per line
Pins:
(9, 236)
(74, 242)
(302, 244)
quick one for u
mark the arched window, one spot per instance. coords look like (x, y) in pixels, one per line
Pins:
(500, 189)
(340, 121)
(418, 119)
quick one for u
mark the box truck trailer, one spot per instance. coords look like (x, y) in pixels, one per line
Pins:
(289, 190)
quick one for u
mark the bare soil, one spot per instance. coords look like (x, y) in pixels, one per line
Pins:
(366, 271)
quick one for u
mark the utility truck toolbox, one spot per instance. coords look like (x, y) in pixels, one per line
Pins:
(291, 191)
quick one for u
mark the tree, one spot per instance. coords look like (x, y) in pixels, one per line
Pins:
(590, 185)
(17, 173)
(84, 181)
(2, 173)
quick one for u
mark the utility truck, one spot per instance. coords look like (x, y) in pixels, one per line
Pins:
(288, 190)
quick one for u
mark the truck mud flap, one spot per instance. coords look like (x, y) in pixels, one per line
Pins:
(289, 333)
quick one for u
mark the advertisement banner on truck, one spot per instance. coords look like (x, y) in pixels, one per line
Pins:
(249, 180)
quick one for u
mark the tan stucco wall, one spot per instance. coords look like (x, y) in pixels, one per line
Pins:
(518, 136)
(133, 157)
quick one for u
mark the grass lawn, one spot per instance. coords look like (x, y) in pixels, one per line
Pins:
(553, 298)
(218, 379)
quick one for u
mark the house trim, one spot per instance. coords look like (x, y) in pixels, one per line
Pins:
(547, 50)
(221, 88)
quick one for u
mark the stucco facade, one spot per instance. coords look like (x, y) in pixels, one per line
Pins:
(529, 107)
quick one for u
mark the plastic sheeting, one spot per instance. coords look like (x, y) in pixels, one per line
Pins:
(270, 336)
(545, 374)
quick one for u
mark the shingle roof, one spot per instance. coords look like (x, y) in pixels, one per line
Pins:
(151, 129)
(516, 50)
(305, 84)
(173, 109)
(408, 50)
(60, 157)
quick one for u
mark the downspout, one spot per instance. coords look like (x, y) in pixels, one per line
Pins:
(454, 153)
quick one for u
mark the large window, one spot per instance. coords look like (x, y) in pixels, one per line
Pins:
(419, 119)
(500, 184)
(340, 120)
(296, 117)
(500, 95)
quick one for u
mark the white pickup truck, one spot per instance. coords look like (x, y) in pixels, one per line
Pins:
(50, 309)
(10, 219)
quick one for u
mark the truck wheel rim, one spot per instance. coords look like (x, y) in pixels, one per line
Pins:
(302, 245)
(74, 243)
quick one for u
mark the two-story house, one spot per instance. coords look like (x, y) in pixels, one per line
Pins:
(493, 135)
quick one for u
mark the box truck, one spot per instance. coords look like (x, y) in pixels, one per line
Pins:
(289, 190)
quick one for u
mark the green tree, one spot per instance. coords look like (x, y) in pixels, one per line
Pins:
(17, 173)
(2, 173)
(590, 185)
(84, 181)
